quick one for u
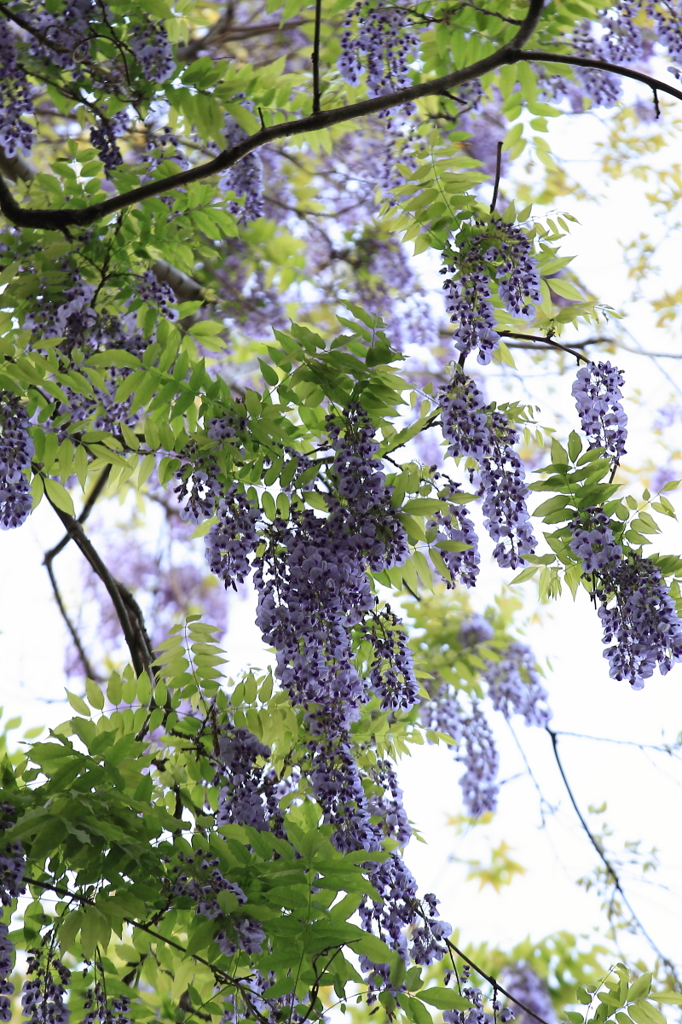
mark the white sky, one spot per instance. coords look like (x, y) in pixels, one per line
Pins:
(642, 788)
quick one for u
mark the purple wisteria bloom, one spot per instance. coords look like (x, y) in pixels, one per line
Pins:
(15, 99)
(103, 136)
(381, 40)
(593, 542)
(473, 430)
(245, 178)
(479, 784)
(514, 685)
(524, 984)
(44, 990)
(597, 394)
(151, 46)
(16, 452)
(6, 967)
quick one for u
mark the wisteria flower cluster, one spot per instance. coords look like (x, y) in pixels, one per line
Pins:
(245, 179)
(514, 685)
(497, 251)
(6, 967)
(603, 88)
(44, 990)
(151, 46)
(16, 452)
(381, 40)
(597, 394)
(638, 615)
(103, 1009)
(16, 134)
(103, 136)
(477, 1014)
(455, 526)
(473, 431)
(524, 984)
(248, 790)
(62, 37)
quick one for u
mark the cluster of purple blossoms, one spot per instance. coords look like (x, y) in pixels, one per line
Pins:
(479, 784)
(248, 791)
(638, 615)
(456, 527)
(200, 879)
(12, 861)
(497, 251)
(6, 986)
(622, 41)
(468, 301)
(233, 539)
(602, 87)
(151, 47)
(15, 100)
(71, 318)
(245, 179)
(475, 630)
(383, 42)
(105, 1010)
(157, 293)
(514, 685)
(391, 673)
(62, 37)
(443, 713)
(337, 785)
(597, 394)
(642, 624)
(524, 984)
(473, 431)
(477, 1014)
(198, 485)
(16, 452)
(388, 804)
(593, 542)
(42, 996)
(103, 136)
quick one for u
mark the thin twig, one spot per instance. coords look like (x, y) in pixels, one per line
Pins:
(545, 341)
(498, 172)
(316, 57)
(89, 670)
(615, 878)
(97, 489)
(494, 982)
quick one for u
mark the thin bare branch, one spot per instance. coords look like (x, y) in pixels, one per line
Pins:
(316, 57)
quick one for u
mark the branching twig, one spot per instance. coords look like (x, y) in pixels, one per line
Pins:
(494, 982)
(545, 340)
(613, 874)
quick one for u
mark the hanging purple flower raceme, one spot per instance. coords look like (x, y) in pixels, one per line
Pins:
(6, 967)
(602, 87)
(514, 685)
(496, 251)
(103, 136)
(62, 36)
(151, 47)
(157, 293)
(242, 779)
(43, 992)
(391, 673)
(456, 527)
(15, 99)
(16, 452)
(105, 1009)
(381, 41)
(475, 630)
(198, 877)
(640, 621)
(474, 431)
(593, 542)
(245, 179)
(622, 41)
(668, 22)
(475, 1015)
(597, 394)
(388, 805)
(522, 982)
(232, 540)
(479, 784)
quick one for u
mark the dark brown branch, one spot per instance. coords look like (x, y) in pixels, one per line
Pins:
(545, 341)
(133, 627)
(94, 494)
(316, 57)
(498, 172)
(494, 982)
(59, 220)
(611, 871)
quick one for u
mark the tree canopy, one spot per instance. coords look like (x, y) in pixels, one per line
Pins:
(212, 313)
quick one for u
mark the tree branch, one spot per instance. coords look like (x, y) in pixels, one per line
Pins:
(613, 874)
(494, 982)
(127, 611)
(316, 57)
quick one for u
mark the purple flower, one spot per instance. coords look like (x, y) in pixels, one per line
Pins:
(16, 452)
(103, 137)
(597, 394)
(514, 685)
(15, 99)
(383, 44)
(151, 46)
(245, 178)
(479, 784)
(593, 542)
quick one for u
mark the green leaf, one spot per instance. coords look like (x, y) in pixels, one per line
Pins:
(77, 703)
(94, 694)
(59, 496)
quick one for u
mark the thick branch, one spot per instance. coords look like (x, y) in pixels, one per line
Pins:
(130, 617)
(59, 220)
